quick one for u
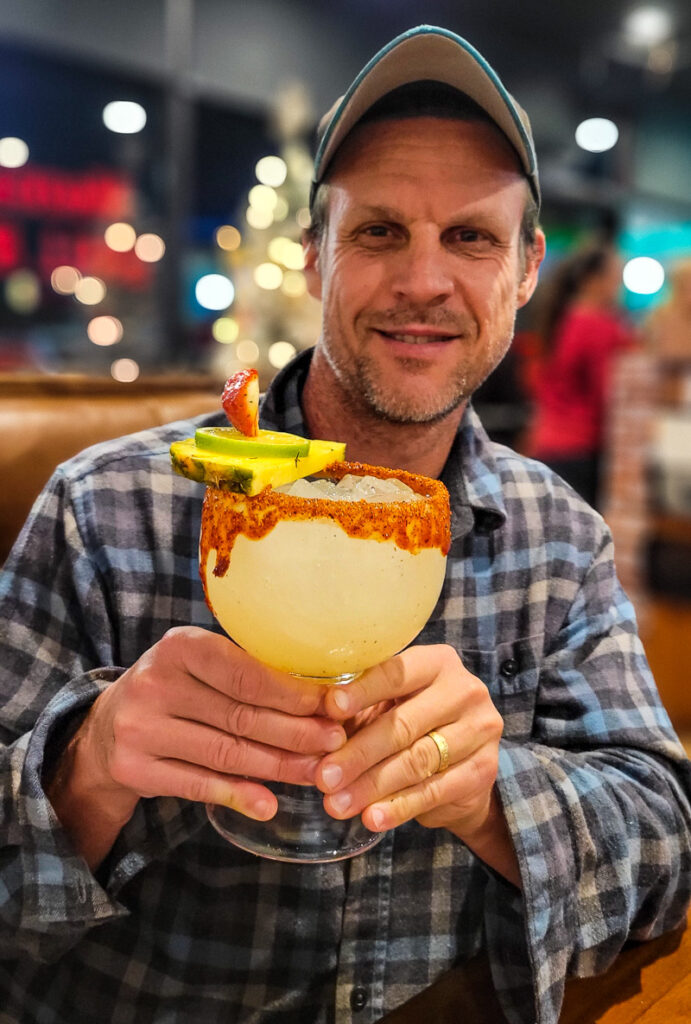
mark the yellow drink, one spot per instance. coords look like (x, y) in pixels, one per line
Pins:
(309, 599)
(320, 587)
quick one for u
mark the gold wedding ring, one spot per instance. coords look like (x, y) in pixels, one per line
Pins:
(443, 748)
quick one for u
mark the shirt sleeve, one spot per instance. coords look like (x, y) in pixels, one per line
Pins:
(56, 636)
(597, 804)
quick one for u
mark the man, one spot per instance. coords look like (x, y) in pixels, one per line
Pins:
(550, 845)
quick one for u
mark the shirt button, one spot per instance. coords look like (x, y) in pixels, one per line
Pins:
(358, 998)
(509, 668)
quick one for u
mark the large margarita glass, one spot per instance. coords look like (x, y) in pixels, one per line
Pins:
(322, 588)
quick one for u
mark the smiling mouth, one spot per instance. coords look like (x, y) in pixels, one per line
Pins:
(417, 338)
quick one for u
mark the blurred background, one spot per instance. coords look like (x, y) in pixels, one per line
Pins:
(154, 172)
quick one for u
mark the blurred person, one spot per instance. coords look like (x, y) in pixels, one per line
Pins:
(559, 829)
(582, 331)
(667, 330)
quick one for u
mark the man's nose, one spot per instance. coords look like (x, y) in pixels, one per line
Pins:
(421, 272)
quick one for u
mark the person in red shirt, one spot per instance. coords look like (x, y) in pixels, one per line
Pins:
(582, 330)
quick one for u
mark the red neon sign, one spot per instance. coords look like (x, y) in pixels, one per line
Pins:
(61, 194)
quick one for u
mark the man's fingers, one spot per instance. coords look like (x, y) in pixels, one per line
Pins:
(218, 662)
(192, 743)
(457, 705)
(456, 797)
(189, 782)
(197, 702)
(407, 768)
(393, 680)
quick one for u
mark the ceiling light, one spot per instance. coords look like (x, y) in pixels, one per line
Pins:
(214, 291)
(124, 117)
(597, 134)
(648, 26)
(13, 152)
(644, 275)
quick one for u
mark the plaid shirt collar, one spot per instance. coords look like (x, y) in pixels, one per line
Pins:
(470, 472)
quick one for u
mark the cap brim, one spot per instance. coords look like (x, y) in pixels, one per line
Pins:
(433, 54)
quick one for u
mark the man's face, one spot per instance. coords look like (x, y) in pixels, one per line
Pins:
(420, 270)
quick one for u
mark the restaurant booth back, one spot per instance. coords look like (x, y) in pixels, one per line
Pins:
(45, 420)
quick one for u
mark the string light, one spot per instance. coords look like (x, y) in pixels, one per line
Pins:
(150, 248)
(120, 237)
(228, 238)
(23, 291)
(271, 170)
(247, 351)
(63, 279)
(124, 370)
(280, 353)
(90, 291)
(104, 330)
(303, 218)
(259, 219)
(268, 276)
(225, 330)
(263, 197)
(294, 284)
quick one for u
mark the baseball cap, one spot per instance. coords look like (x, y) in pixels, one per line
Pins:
(427, 54)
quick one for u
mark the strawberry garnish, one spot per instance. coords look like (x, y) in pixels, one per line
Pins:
(240, 400)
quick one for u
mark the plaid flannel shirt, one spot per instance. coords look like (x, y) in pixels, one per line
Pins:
(178, 926)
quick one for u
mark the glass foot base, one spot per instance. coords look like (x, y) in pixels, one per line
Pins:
(300, 832)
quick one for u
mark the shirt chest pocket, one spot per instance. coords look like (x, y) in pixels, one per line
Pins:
(511, 673)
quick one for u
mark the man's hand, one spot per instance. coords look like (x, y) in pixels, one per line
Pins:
(388, 769)
(190, 718)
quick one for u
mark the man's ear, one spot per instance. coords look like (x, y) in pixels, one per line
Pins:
(310, 249)
(534, 256)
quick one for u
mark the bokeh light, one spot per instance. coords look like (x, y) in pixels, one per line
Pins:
(90, 291)
(644, 275)
(124, 370)
(104, 330)
(294, 284)
(268, 276)
(14, 152)
(226, 330)
(303, 217)
(214, 291)
(228, 238)
(648, 26)
(281, 209)
(64, 279)
(23, 291)
(280, 353)
(597, 134)
(247, 351)
(149, 248)
(271, 170)
(120, 237)
(124, 117)
(259, 219)
(289, 253)
(263, 197)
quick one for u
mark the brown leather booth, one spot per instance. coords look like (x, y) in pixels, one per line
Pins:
(46, 419)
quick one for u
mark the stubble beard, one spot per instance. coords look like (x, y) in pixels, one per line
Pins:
(361, 379)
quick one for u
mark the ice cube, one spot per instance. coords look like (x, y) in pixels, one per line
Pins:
(301, 489)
